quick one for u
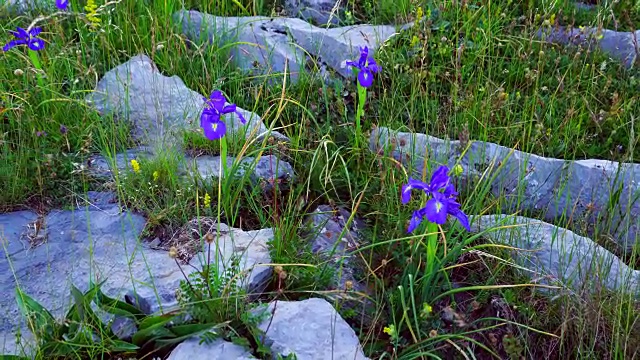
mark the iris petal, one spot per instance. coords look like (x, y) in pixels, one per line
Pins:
(62, 4)
(365, 78)
(10, 45)
(436, 209)
(217, 100)
(462, 218)
(410, 186)
(416, 219)
(35, 31)
(439, 179)
(364, 54)
(36, 44)
(208, 116)
(215, 130)
(228, 109)
(20, 33)
(241, 117)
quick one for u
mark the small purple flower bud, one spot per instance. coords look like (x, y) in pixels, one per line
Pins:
(63, 130)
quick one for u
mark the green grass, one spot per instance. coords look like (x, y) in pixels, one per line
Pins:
(501, 85)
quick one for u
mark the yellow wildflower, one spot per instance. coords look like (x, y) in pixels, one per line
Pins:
(457, 171)
(426, 308)
(419, 13)
(390, 330)
(156, 175)
(415, 41)
(92, 15)
(207, 200)
(135, 165)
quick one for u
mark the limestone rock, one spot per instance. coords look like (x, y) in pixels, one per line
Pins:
(601, 193)
(280, 41)
(250, 247)
(311, 329)
(266, 170)
(557, 256)
(314, 11)
(159, 108)
(619, 45)
(219, 349)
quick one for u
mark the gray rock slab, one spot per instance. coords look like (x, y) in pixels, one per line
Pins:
(219, 349)
(265, 171)
(337, 45)
(88, 244)
(255, 46)
(315, 11)
(276, 41)
(160, 108)
(311, 329)
(12, 227)
(602, 193)
(249, 247)
(619, 45)
(557, 256)
(22, 6)
(104, 167)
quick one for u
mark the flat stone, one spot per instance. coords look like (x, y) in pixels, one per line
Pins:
(337, 45)
(104, 167)
(12, 226)
(23, 6)
(314, 11)
(280, 41)
(619, 45)
(219, 349)
(584, 189)
(255, 46)
(249, 247)
(557, 256)
(79, 246)
(267, 170)
(311, 329)
(101, 198)
(160, 108)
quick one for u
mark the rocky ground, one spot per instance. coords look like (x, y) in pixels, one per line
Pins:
(101, 239)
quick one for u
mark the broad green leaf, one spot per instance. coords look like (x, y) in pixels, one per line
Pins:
(120, 346)
(115, 306)
(155, 330)
(191, 329)
(152, 320)
(39, 319)
(85, 313)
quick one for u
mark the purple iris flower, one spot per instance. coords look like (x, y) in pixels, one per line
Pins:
(62, 4)
(210, 120)
(442, 200)
(24, 37)
(366, 66)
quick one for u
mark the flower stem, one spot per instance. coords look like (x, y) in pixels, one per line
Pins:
(432, 247)
(223, 155)
(36, 63)
(362, 97)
